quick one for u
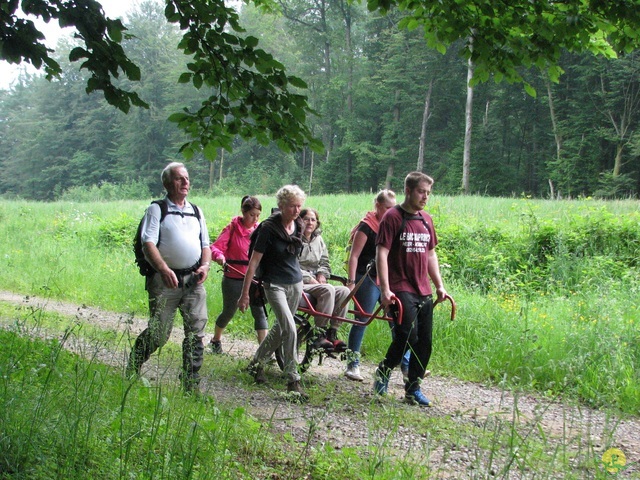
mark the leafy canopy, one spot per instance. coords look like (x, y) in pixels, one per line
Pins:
(102, 54)
(248, 92)
(503, 35)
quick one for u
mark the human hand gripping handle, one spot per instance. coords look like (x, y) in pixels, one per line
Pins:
(393, 306)
(446, 296)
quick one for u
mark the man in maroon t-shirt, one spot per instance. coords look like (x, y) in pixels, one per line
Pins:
(406, 260)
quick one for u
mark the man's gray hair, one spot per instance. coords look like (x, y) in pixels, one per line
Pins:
(166, 173)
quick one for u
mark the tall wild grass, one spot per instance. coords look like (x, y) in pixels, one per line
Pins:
(547, 290)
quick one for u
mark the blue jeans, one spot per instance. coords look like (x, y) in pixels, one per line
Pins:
(367, 296)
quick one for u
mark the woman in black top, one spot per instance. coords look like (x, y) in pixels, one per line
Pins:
(363, 251)
(276, 250)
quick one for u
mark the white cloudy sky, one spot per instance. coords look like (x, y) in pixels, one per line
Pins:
(112, 8)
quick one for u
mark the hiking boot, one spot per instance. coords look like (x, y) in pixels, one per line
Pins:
(380, 382)
(295, 389)
(353, 373)
(338, 345)
(132, 370)
(216, 347)
(190, 383)
(256, 370)
(416, 397)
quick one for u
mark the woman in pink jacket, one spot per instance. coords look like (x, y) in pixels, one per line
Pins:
(231, 249)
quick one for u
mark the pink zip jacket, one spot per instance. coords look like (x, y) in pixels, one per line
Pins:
(233, 244)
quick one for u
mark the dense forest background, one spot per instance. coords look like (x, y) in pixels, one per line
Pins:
(386, 104)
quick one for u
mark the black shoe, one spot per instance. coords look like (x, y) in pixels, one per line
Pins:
(216, 347)
(338, 345)
(190, 383)
(296, 391)
(256, 370)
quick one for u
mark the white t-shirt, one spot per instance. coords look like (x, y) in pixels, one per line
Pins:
(180, 241)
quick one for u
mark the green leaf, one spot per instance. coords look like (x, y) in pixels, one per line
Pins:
(78, 53)
(412, 24)
(114, 28)
(297, 82)
(251, 42)
(530, 90)
(316, 145)
(187, 151)
(185, 77)
(178, 117)
(132, 71)
(210, 151)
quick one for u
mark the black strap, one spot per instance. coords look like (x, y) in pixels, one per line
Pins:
(238, 262)
(181, 272)
(164, 211)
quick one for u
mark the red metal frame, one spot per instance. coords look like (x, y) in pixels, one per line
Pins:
(309, 309)
(378, 314)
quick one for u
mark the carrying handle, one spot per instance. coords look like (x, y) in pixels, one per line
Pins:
(453, 305)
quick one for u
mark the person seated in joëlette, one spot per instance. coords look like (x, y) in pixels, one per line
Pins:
(316, 270)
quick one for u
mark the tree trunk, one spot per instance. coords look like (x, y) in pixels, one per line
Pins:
(212, 168)
(221, 164)
(554, 121)
(466, 156)
(346, 13)
(393, 150)
(387, 182)
(311, 173)
(328, 130)
(617, 163)
(423, 131)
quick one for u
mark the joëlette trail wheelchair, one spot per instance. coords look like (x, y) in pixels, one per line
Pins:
(307, 332)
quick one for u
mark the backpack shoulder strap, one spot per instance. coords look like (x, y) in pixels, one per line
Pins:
(164, 207)
(407, 216)
(424, 220)
(196, 210)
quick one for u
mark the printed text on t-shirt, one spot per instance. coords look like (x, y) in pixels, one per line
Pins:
(415, 242)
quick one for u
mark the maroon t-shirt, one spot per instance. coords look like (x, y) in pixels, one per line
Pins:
(408, 259)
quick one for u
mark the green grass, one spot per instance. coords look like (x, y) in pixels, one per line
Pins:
(67, 416)
(546, 290)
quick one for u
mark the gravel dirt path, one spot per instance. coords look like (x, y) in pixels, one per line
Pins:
(572, 427)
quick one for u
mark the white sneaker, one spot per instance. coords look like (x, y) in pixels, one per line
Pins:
(353, 373)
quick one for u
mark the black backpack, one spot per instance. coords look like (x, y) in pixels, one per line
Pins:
(144, 266)
(252, 244)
